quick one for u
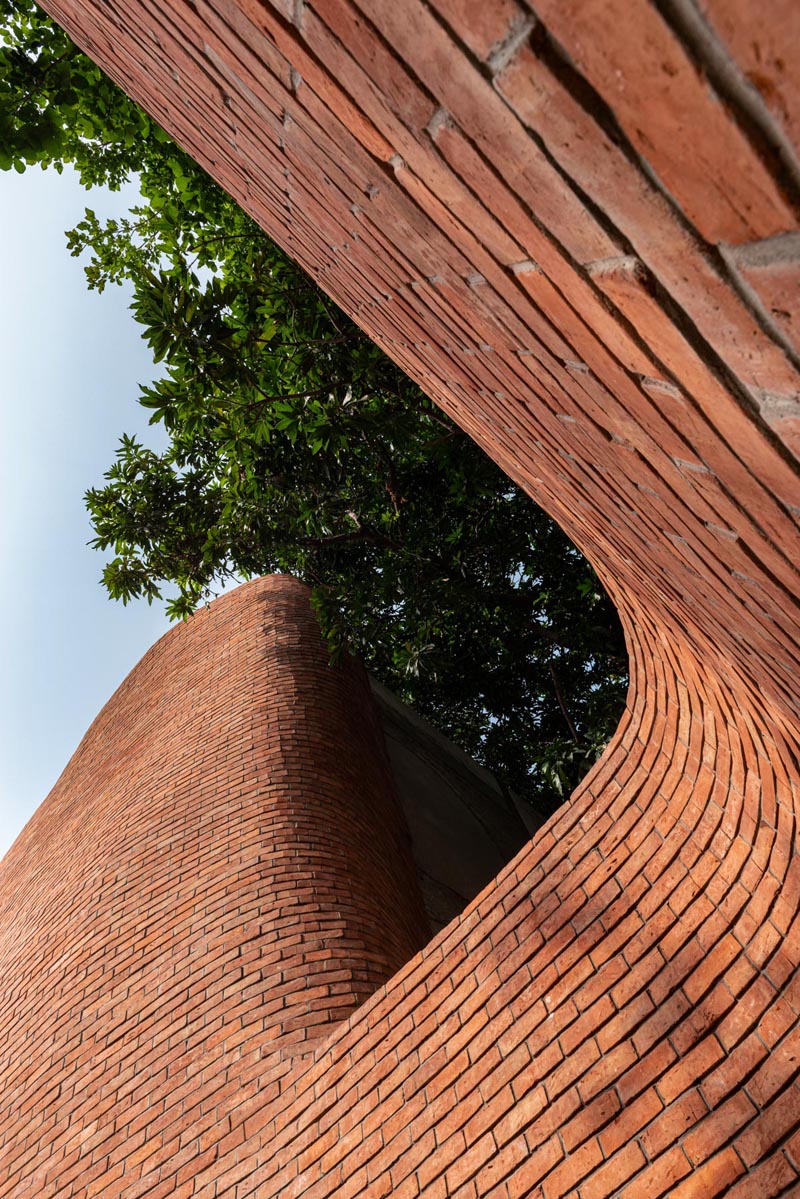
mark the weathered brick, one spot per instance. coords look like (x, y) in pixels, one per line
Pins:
(763, 44)
(641, 70)
(772, 269)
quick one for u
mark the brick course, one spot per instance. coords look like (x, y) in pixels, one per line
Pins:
(220, 876)
(562, 223)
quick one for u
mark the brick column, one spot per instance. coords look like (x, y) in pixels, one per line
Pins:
(220, 875)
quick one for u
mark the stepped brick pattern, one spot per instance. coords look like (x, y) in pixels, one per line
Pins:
(577, 227)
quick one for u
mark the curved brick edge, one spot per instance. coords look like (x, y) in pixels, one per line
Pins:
(578, 230)
(616, 1015)
(219, 876)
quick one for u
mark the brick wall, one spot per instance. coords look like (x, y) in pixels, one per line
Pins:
(463, 826)
(577, 228)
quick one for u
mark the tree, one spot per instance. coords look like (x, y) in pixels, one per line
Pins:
(57, 106)
(295, 445)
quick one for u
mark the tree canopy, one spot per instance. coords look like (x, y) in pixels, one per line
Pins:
(295, 445)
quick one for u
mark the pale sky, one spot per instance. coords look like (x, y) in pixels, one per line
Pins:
(72, 361)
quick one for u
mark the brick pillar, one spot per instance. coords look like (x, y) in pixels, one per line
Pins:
(220, 876)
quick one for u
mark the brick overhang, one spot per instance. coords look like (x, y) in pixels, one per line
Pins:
(578, 231)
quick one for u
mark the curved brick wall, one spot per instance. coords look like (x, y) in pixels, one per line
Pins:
(219, 875)
(578, 230)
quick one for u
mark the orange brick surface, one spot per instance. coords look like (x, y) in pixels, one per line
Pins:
(562, 224)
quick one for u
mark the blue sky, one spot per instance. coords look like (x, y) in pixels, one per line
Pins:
(72, 361)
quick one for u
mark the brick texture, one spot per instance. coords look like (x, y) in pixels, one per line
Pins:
(220, 876)
(571, 227)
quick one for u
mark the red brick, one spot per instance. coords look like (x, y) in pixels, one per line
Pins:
(672, 1123)
(733, 1070)
(770, 1128)
(761, 43)
(616, 1171)
(660, 1177)
(718, 1128)
(646, 1071)
(595, 1116)
(630, 1121)
(571, 1171)
(458, 188)
(483, 27)
(769, 1179)
(639, 67)
(712, 1179)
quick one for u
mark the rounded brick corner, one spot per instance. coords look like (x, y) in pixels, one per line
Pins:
(220, 876)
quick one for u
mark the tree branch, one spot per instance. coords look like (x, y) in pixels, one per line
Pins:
(363, 534)
(562, 705)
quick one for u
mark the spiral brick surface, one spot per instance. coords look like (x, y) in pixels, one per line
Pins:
(220, 875)
(577, 228)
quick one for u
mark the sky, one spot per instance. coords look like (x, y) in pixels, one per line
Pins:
(72, 361)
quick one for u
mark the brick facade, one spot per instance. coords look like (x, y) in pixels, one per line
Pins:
(578, 230)
(221, 874)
